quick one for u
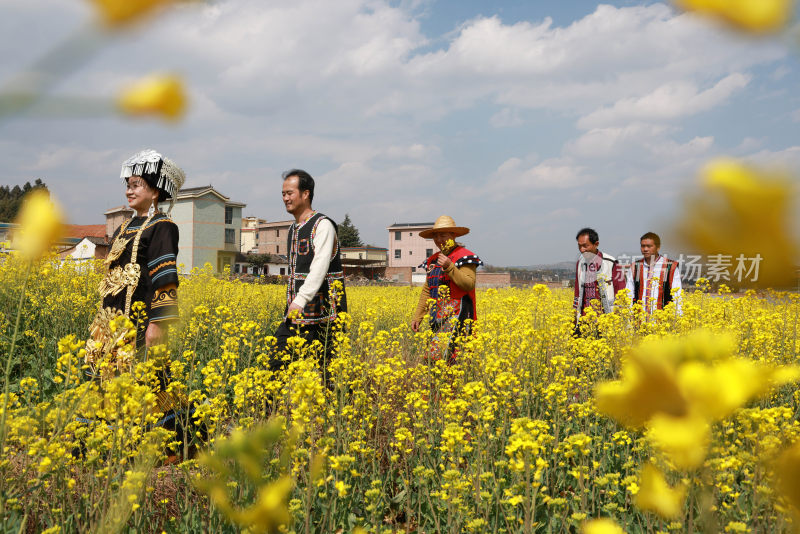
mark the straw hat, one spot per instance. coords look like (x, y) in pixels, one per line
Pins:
(445, 223)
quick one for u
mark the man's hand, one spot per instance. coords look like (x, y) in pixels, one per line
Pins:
(294, 311)
(415, 325)
(444, 262)
(154, 334)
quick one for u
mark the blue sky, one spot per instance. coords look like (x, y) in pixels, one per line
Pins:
(523, 120)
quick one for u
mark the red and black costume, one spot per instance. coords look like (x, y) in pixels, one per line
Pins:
(454, 303)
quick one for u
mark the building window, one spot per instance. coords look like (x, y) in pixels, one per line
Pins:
(398, 236)
(410, 234)
(410, 252)
(229, 215)
(428, 252)
(398, 254)
(283, 270)
(230, 235)
(256, 236)
(277, 249)
(277, 233)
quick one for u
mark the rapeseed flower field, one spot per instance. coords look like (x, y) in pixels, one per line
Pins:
(669, 424)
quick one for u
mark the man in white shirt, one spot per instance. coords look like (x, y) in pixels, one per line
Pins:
(654, 280)
(315, 294)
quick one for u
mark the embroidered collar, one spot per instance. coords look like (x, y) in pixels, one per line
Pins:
(304, 221)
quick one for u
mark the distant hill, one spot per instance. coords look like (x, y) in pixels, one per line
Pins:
(545, 266)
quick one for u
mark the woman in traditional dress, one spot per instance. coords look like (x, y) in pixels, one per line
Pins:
(450, 283)
(142, 267)
(142, 263)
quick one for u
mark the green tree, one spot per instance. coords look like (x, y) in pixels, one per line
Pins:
(11, 198)
(259, 260)
(348, 234)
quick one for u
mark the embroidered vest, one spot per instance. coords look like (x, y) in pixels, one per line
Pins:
(605, 283)
(667, 272)
(329, 301)
(436, 278)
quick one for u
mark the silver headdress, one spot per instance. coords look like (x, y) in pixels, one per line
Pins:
(158, 171)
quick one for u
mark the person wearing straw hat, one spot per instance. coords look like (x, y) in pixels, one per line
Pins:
(450, 283)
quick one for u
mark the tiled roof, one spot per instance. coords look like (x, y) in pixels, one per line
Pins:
(410, 225)
(85, 230)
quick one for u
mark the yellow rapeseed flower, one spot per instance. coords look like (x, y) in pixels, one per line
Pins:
(648, 386)
(40, 225)
(601, 526)
(787, 472)
(684, 439)
(744, 212)
(657, 496)
(122, 12)
(162, 95)
(720, 389)
(271, 510)
(756, 16)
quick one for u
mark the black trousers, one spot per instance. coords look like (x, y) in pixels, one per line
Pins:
(325, 333)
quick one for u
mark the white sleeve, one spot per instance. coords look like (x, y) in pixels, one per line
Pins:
(324, 240)
(677, 290)
(629, 283)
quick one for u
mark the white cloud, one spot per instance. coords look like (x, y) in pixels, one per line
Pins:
(515, 177)
(638, 141)
(787, 159)
(670, 101)
(505, 118)
(749, 144)
(393, 123)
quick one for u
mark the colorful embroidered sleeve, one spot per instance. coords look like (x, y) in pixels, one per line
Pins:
(162, 269)
(472, 259)
(164, 306)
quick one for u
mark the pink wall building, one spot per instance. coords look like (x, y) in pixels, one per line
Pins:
(406, 247)
(271, 237)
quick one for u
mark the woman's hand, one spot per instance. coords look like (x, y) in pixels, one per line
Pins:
(415, 325)
(444, 262)
(154, 335)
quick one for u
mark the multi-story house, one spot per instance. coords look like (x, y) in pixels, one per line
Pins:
(250, 234)
(272, 237)
(407, 248)
(367, 254)
(209, 226)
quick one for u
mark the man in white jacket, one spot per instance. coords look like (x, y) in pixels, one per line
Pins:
(315, 295)
(598, 277)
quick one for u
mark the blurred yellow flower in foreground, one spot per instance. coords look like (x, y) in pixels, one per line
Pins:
(40, 225)
(717, 391)
(684, 439)
(270, 512)
(250, 451)
(155, 95)
(676, 387)
(787, 472)
(657, 496)
(121, 12)
(744, 211)
(648, 386)
(756, 16)
(601, 526)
